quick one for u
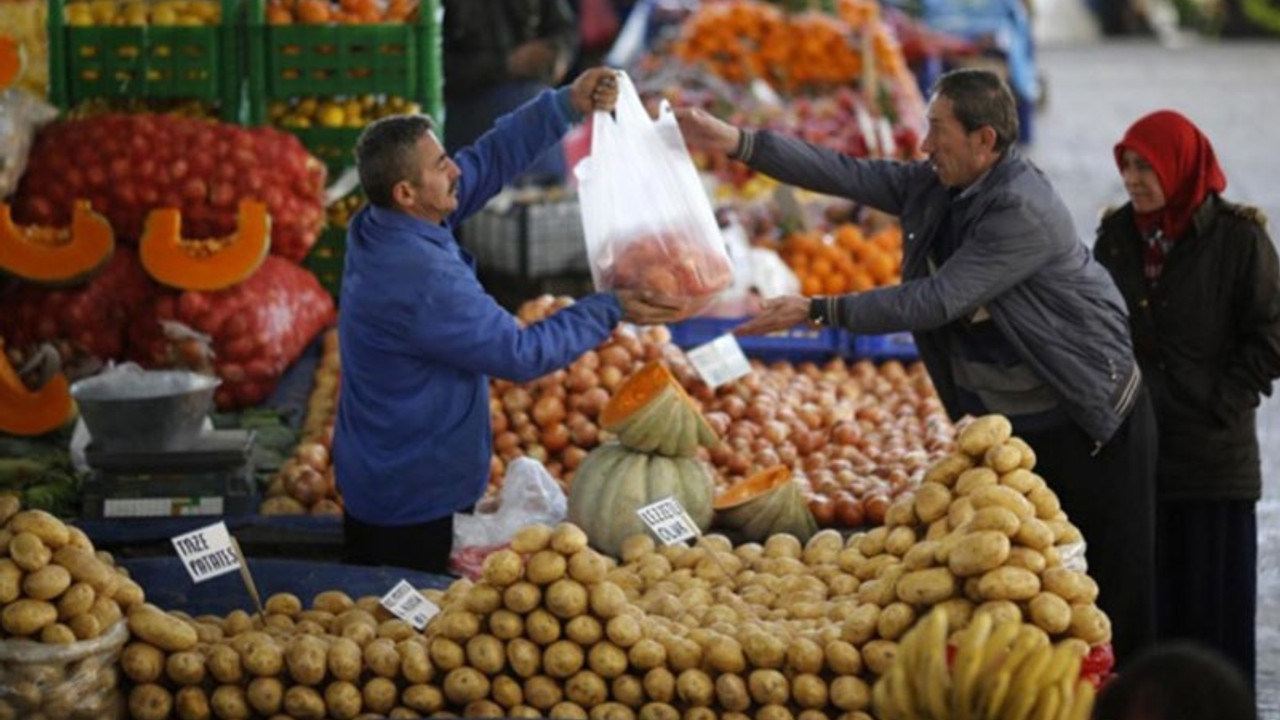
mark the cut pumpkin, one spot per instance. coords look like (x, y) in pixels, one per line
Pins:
(28, 413)
(651, 412)
(767, 503)
(208, 264)
(12, 61)
(56, 256)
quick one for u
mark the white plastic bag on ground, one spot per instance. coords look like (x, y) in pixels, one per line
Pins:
(529, 496)
(645, 214)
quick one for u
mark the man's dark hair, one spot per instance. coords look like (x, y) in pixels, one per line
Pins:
(980, 98)
(1178, 681)
(384, 154)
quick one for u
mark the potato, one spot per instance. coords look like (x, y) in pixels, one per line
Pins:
(1009, 583)
(490, 709)
(464, 685)
(861, 625)
(415, 665)
(768, 687)
(1050, 613)
(345, 660)
(51, 531)
(850, 693)
(191, 703)
(901, 513)
(333, 601)
(149, 624)
(660, 685)
(10, 579)
(29, 552)
(542, 692)
(732, 693)
(57, 634)
(382, 658)
(982, 433)
(542, 627)
(423, 698)
(150, 702)
(545, 567)
(265, 696)
(237, 622)
(586, 689)
(584, 630)
(1074, 587)
(128, 593)
(607, 600)
(85, 566)
(1034, 534)
(9, 506)
(900, 540)
(46, 583)
(646, 654)
(107, 611)
(185, 668)
(895, 620)
(975, 479)
(1001, 611)
(623, 631)
(878, 655)
(978, 552)
(562, 659)
(521, 597)
(306, 657)
(458, 625)
(27, 617)
(872, 543)
(932, 501)
(502, 568)
(997, 518)
(379, 694)
(303, 703)
(142, 663)
(809, 691)
(607, 660)
(842, 658)
(948, 469)
(343, 699)
(1090, 624)
(524, 657)
(485, 653)
(926, 587)
(1024, 481)
(531, 539)
(959, 513)
(568, 539)
(566, 598)
(612, 711)
(223, 663)
(283, 604)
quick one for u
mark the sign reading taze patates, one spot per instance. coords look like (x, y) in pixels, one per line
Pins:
(207, 553)
(407, 603)
(668, 521)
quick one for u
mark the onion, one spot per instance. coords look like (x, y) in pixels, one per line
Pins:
(593, 401)
(581, 379)
(548, 411)
(611, 377)
(517, 399)
(585, 434)
(615, 356)
(555, 438)
(313, 455)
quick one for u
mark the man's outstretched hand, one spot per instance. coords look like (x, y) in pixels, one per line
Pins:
(704, 131)
(594, 89)
(776, 314)
(645, 308)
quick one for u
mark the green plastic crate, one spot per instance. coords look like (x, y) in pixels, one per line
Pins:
(335, 147)
(290, 61)
(325, 259)
(199, 63)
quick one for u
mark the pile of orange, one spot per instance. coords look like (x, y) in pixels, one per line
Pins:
(845, 260)
(740, 40)
(340, 12)
(864, 16)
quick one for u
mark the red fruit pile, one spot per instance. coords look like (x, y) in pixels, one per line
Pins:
(127, 165)
(674, 265)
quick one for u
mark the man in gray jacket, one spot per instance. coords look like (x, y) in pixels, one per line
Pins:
(1011, 313)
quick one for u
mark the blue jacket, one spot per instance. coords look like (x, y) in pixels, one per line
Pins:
(419, 338)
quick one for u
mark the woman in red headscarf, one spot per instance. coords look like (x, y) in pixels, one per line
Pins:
(1202, 283)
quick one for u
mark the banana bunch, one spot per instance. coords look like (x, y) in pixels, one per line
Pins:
(1009, 671)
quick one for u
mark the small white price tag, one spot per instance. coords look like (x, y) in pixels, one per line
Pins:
(406, 603)
(207, 553)
(668, 521)
(719, 361)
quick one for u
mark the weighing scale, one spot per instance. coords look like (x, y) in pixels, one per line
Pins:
(210, 477)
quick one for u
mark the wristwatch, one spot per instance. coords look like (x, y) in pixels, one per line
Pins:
(818, 307)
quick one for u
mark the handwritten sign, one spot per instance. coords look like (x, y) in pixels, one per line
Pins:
(207, 553)
(406, 603)
(669, 521)
(719, 361)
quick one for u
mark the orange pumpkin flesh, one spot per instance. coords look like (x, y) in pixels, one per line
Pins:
(11, 61)
(23, 412)
(210, 264)
(636, 392)
(753, 487)
(53, 255)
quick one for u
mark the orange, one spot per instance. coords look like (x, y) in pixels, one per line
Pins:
(810, 285)
(313, 12)
(277, 14)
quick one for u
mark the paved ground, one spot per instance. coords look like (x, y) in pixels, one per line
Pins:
(1230, 91)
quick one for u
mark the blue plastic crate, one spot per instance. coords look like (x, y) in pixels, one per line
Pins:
(894, 346)
(799, 344)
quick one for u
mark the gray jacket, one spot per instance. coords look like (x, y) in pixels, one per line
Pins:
(1019, 259)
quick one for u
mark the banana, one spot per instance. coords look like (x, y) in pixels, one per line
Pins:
(994, 694)
(1047, 704)
(1082, 705)
(964, 674)
(1026, 684)
(882, 702)
(1067, 691)
(937, 679)
(900, 692)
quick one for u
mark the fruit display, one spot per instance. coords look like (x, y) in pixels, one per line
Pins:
(204, 264)
(337, 111)
(61, 610)
(343, 12)
(339, 214)
(669, 264)
(845, 259)
(142, 13)
(1004, 671)
(256, 329)
(127, 165)
(32, 411)
(659, 431)
(56, 255)
(305, 482)
(24, 46)
(178, 107)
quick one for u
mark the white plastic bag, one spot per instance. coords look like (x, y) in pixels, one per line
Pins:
(645, 214)
(529, 496)
(21, 115)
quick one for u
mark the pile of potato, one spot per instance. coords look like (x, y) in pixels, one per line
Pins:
(61, 606)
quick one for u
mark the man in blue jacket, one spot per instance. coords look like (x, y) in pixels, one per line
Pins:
(1011, 314)
(419, 337)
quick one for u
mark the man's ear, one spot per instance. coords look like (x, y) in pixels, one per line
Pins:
(987, 138)
(401, 194)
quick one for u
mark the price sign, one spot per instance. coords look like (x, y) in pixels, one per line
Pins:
(719, 361)
(207, 553)
(668, 521)
(406, 603)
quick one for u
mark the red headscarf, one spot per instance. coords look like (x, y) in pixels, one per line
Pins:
(1183, 161)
